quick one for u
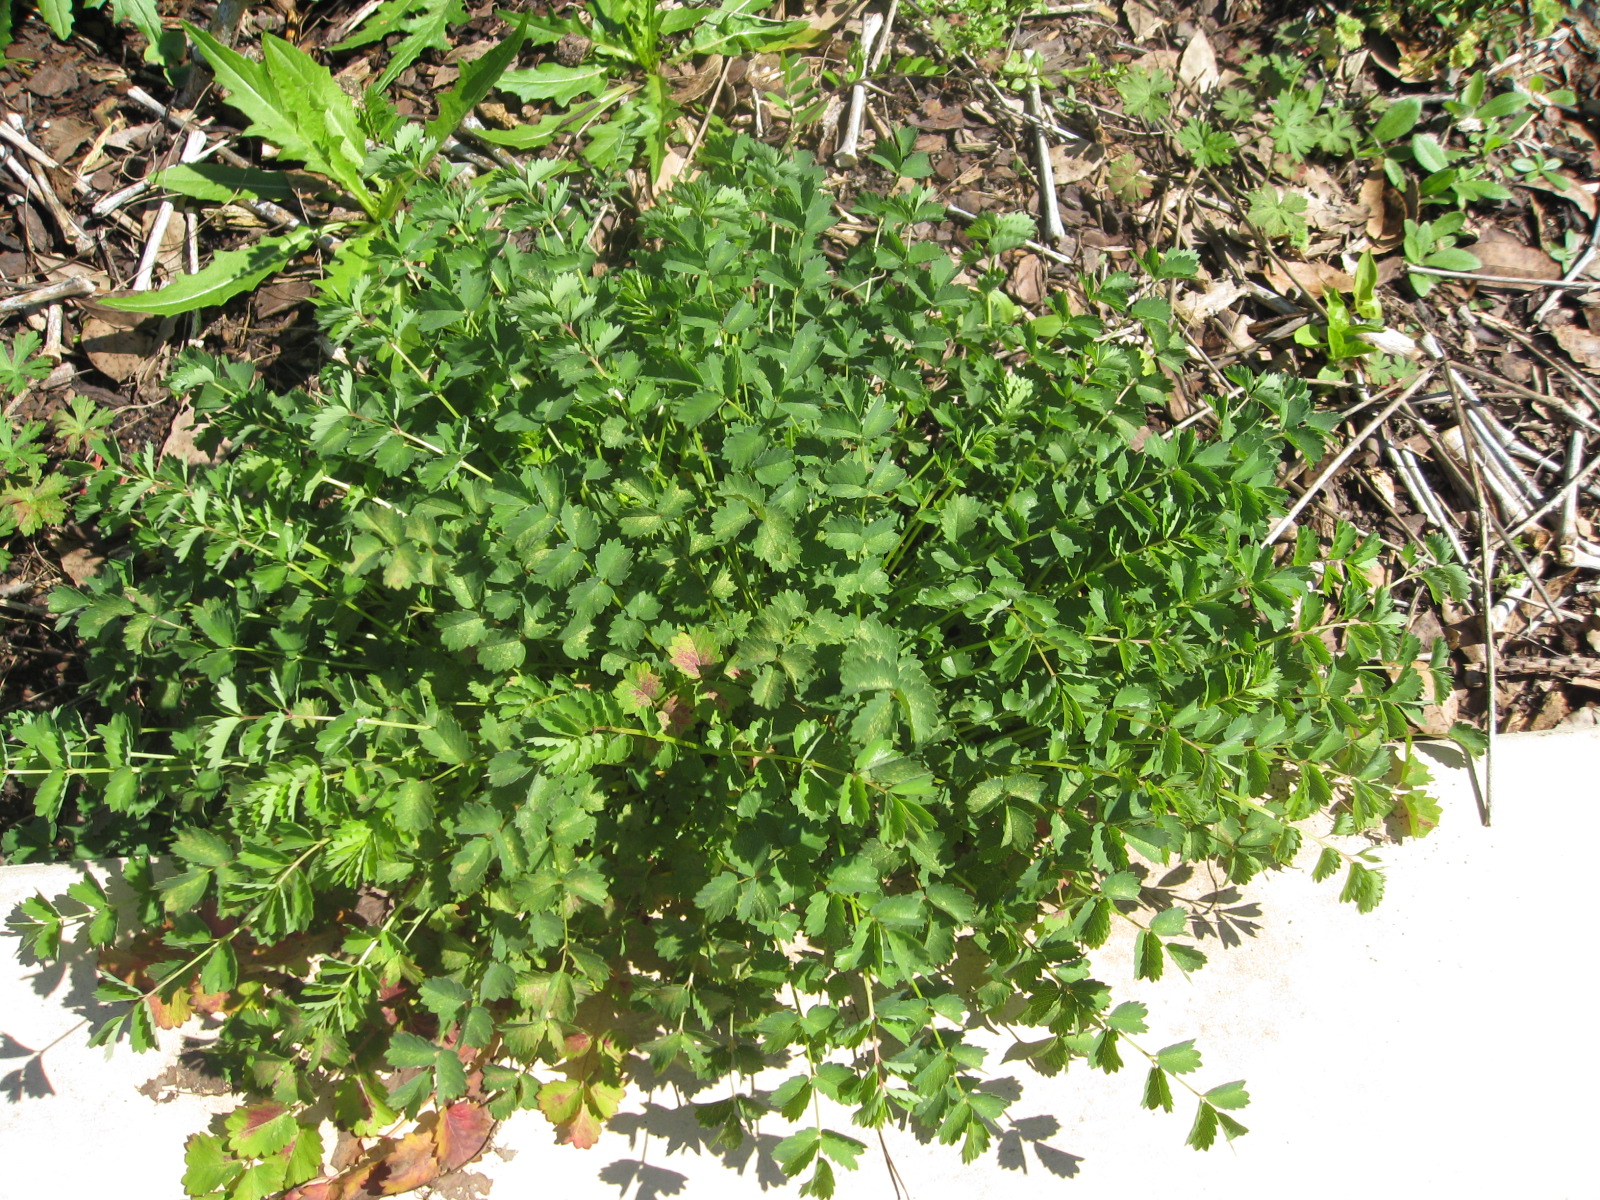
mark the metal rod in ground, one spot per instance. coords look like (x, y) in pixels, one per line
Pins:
(1049, 205)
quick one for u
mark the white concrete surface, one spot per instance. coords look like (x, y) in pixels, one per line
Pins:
(1440, 1046)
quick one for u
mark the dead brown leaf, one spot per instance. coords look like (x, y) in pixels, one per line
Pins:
(1552, 711)
(1583, 346)
(1198, 66)
(81, 564)
(280, 296)
(63, 136)
(179, 443)
(1075, 163)
(1312, 277)
(690, 88)
(1028, 279)
(1326, 208)
(1197, 306)
(117, 343)
(1144, 22)
(1502, 253)
(1580, 194)
(673, 164)
(54, 78)
(1159, 60)
(934, 116)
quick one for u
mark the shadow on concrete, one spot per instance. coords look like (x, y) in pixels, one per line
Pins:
(69, 982)
(1032, 1131)
(677, 1129)
(28, 1080)
(653, 1182)
(1453, 758)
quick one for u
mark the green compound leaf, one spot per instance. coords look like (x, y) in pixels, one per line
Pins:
(1229, 1095)
(1363, 887)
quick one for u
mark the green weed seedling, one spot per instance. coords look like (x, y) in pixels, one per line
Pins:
(295, 104)
(619, 98)
(32, 494)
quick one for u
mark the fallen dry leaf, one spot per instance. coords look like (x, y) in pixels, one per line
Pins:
(1193, 307)
(1144, 22)
(1198, 66)
(63, 136)
(180, 442)
(936, 117)
(1386, 213)
(280, 296)
(689, 88)
(1554, 710)
(672, 166)
(1503, 254)
(1312, 277)
(1158, 60)
(81, 565)
(119, 344)
(1580, 194)
(1076, 162)
(1583, 346)
(1028, 280)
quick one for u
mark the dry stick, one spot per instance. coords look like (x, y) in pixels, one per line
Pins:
(1566, 524)
(361, 14)
(1015, 108)
(1572, 272)
(32, 177)
(67, 289)
(1486, 589)
(193, 145)
(474, 128)
(1526, 393)
(52, 348)
(1049, 203)
(1416, 485)
(847, 155)
(1520, 449)
(1344, 456)
(108, 204)
(1527, 343)
(224, 26)
(1558, 284)
(1568, 489)
(11, 131)
(705, 123)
